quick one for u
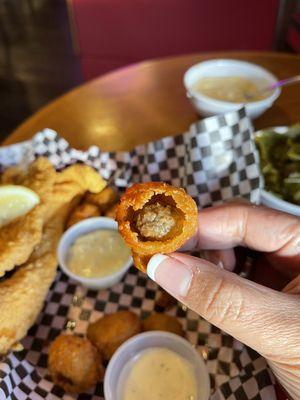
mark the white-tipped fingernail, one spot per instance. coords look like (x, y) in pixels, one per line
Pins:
(170, 273)
(154, 263)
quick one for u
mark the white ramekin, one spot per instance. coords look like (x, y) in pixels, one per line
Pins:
(208, 106)
(147, 340)
(81, 228)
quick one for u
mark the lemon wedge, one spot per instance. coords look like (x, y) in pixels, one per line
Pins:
(15, 201)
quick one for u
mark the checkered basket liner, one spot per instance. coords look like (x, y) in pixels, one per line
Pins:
(214, 161)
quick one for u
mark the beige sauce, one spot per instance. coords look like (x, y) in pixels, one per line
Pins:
(159, 374)
(97, 254)
(234, 89)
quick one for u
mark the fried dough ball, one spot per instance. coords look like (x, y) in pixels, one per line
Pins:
(162, 322)
(103, 200)
(74, 363)
(110, 331)
(81, 212)
(155, 218)
(111, 212)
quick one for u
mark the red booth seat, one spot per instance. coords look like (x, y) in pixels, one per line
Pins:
(114, 33)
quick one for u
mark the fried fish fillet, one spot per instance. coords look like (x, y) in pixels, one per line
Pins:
(18, 239)
(22, 295)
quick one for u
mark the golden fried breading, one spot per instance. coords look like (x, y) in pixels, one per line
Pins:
(81, 212)
(13, 175)
(162, 322)
(110, 331)
(22, 295)
(18, 239)
(74, 363)
(111, 212)
(104, 200)
(140, 261)
(85, 176)
(155, 218)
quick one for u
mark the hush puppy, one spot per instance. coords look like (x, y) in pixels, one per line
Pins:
(81, 212)
(103, 200)
(111, 212)
(162, 322)
(74, 363)
(110, 331)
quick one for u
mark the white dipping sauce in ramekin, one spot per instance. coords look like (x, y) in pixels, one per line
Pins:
(158, 373)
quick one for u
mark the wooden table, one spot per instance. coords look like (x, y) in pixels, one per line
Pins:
(146, 101)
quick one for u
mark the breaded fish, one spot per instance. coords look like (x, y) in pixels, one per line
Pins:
(22, 295)
(18, 239)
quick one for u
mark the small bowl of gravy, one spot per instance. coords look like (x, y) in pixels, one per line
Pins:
(219, 86)
(156, 365)
(93, 253)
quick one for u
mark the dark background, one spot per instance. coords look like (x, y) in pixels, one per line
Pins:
(37, 61)
(40, 57)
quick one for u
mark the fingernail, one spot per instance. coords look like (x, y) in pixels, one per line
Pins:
(154, 262)
(173, 275)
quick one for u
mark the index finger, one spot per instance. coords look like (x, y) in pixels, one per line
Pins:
(256, 227)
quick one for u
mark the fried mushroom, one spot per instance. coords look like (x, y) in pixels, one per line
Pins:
(103, 200)
(74, 363)
(111, 212)
(155, 218)
(155, 221)
(162, 322)
(81, 212)
(110, 331)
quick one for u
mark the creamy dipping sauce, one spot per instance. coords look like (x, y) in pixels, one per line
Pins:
(229, 88)
(97, 254)
(158, 374)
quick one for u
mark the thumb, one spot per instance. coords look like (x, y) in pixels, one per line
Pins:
(257, 316)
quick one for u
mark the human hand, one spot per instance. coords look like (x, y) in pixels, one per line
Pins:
(262, 318)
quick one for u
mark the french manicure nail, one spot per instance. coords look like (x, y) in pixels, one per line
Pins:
(154, 263)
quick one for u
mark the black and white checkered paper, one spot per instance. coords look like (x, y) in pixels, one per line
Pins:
(214, 161)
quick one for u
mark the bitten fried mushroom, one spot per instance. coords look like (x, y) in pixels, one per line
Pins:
(155, 218)
(74, 363)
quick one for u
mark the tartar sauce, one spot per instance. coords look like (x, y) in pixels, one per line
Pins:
(158, 374)
(235, 89)
(97, 254)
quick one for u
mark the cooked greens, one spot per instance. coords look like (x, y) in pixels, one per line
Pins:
(280, 162)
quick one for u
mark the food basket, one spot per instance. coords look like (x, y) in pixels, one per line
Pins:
(215, 161)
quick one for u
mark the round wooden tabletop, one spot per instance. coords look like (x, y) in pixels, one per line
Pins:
(146, 101)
